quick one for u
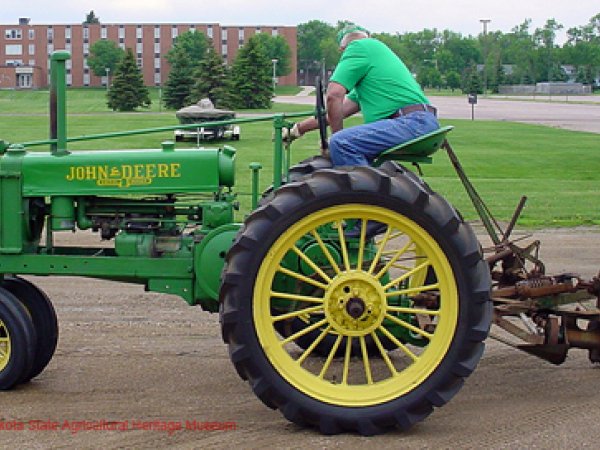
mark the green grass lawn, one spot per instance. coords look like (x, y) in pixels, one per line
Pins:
(558, 170)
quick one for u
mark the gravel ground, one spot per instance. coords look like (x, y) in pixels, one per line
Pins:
(151, 360)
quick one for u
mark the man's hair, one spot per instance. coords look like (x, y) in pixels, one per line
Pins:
(351, 37)
(351, 28)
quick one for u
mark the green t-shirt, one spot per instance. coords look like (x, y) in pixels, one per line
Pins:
(376, 79)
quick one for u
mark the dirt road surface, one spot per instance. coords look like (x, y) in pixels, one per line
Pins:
(125, 355)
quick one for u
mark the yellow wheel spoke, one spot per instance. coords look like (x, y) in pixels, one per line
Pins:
(412, 328)
(296, 297)
(365, 355)
(347, 360)
(301, 277)
(398, 344)
(304, 331)
(343, 245)
(316, 342)
(393, 236)
(300, 312)
(331, 355)
(415, 290)
(361, 244)
(326, 252)
(380, 248)
(312, 265)
(384, 354)
(395, 258)
(408, 310)
(406, 275)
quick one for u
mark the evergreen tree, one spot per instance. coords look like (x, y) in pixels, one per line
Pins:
(180, 82)
(251, 77)
(186, 55)
(210, 79)
(128, 91)
(91, 18)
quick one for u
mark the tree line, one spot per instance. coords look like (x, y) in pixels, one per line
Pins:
(197, 71)
(449, 59)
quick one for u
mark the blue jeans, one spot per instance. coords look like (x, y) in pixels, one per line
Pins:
(360, 145)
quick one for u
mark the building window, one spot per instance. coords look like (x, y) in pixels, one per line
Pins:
(209, 31)
(31, 35)
(50, 34)
(86, 49)
(157, 32)
(224, 34)
(14, 62)
(13, 49)
(86, 79)
(157, 63)
(32, 62)
(274, 32)
(68, 47)
(157, 79)
(69, 79)
(31, 49)
(86, 33)
(240, 34)
(103, 32)
(139, 40)
(138, 32)
(13, 34)
(224, 50)
(156, 48)
(174, 32)
(68, 64)
(140, 63)
(139, 48)
(50, 48)
(68, 32)
(122, 45)
(121, 32)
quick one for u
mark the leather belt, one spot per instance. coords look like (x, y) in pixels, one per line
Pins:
(414, 108)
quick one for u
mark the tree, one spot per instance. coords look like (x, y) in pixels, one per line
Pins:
(277, 48)
(127, 91)
(251, 83)
(104, 54)
(181, 80)
(186, 55)
(210, 79)
(453, 80)
(311, 39)
(91, 18)
(194, 45)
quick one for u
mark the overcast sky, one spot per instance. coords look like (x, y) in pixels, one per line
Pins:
(377, 15)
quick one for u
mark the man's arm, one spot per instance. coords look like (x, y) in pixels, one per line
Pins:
(349, 108)
(336, 93)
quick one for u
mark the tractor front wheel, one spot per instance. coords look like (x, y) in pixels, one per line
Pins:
(294, 259)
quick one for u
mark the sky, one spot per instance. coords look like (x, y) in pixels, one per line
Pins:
(390, 16)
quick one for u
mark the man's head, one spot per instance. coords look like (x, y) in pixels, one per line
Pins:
(350, 33)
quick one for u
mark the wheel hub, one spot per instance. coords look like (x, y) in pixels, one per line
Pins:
(355, 303)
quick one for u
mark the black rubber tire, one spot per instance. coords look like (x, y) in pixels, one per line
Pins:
(15, 326)
(44, 321)
(330, 188)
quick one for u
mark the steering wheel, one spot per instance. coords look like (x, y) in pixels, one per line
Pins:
(321, 114)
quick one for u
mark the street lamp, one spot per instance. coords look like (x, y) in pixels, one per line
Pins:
(107, 69)
(485, 22)
(274, 61)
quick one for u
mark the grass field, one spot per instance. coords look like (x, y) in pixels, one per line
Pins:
(558, 170)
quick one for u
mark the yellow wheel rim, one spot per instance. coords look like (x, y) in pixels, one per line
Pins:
(4, 346)
(352, 307)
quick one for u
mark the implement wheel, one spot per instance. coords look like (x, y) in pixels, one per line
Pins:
(349, 390)
(44, 321)
(17, 341)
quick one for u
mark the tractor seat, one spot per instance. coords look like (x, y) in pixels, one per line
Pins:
(417, 150)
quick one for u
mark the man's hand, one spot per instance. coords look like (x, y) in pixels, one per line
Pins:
(291, 134)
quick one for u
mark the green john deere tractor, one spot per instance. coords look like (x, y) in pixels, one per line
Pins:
(338, 326)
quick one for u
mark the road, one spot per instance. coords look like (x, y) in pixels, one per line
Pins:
(579, 114)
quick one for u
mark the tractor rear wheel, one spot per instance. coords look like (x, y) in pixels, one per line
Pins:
(44, 321)
(17, 341)
(349, 390)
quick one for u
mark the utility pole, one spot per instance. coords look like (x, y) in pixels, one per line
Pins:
(485, 24)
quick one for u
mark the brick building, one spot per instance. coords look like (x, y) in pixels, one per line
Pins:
(25, 49)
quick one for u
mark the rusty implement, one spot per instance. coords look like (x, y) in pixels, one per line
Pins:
(540, 314)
